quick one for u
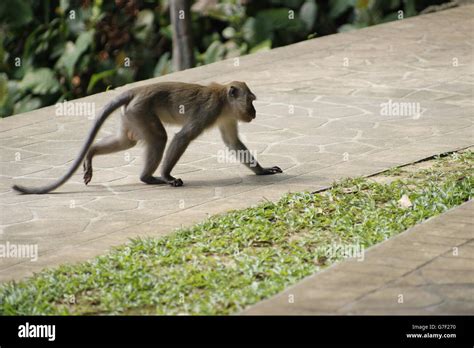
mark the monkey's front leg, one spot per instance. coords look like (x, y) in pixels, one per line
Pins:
(250, 161)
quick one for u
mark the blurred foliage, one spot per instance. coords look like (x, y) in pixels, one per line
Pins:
(52, 51)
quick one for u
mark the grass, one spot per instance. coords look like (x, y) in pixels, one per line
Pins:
(233, 260)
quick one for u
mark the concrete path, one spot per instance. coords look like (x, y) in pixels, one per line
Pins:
(341, 105)
(428, 269)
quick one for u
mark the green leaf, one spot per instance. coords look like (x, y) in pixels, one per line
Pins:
(73, 51)
(3, 88)
(308, 13)
(249, 30)
(40, 81)
(276, 18)
(163, 66)
(287, 3)
(97, 77)
(228, 33)
(143, 25)
(232, 49)
(214, 52)
(262, 46)
(347, 27)
(410, 8)
(15, 13)
(338, 7)
(362, 4)
(64, 5)
(3, 56)
(392, 4)
(167, 32)
(243, 49)
(123, 76)
(27, 104)
(267, 22)
(390, 17)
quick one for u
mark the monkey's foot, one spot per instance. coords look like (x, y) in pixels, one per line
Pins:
(270, 171)
(172, 181)
(153, 180)
(175, 182)
(87, 175)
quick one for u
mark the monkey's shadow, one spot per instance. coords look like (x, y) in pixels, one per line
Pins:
(250, 180)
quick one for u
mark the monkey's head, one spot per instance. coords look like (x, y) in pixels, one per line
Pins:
(240, 100)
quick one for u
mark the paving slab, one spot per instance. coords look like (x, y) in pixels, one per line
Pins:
(410, 274)
(326, 109)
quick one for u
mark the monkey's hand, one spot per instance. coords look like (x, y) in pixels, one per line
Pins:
(270, 171)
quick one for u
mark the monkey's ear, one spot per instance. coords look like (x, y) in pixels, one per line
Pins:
(232, 91)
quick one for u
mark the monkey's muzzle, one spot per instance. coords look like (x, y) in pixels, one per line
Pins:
(251, 115)
(249, 118)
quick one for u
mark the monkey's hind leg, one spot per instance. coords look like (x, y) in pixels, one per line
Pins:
(155, 142)
(110, 144)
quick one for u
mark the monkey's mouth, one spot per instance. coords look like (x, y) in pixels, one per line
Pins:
(250, 116)
(249, 119)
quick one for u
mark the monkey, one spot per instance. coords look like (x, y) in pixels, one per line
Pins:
(145, 109)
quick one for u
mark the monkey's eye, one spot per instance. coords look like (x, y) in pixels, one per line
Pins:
(233, 91)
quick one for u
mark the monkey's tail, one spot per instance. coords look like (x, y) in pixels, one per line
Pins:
(122, 99)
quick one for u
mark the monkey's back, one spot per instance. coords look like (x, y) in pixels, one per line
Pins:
(176, 102)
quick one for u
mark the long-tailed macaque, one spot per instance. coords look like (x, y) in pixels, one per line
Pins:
(145, 109)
